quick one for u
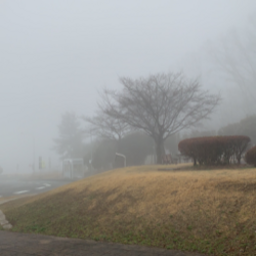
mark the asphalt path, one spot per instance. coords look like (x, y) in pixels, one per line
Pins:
(18, 186)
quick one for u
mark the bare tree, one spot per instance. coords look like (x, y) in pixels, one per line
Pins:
(236, 58)
(106, 127)
(160, 105)
(70, 140)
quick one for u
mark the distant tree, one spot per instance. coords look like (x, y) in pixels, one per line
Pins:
(106, 127)
(69, 144)
(160, 105)
(245, 127)
(136, 146)
(235, 57)
(103, 154)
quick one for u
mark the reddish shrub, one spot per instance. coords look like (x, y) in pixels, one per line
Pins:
(214, 150)
(250, 156)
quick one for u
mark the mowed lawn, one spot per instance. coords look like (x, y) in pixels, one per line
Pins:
(207, 211)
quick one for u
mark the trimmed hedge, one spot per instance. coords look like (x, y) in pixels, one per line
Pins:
(250, 156)
(214, 150)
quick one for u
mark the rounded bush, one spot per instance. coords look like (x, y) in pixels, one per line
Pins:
(250, 156)
(215, 149)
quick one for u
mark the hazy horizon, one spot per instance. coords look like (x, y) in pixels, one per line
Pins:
(56, 56)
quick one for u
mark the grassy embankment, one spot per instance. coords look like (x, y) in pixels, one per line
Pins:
(208, 211)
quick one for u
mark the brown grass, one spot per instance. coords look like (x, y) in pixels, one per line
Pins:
(209, 210)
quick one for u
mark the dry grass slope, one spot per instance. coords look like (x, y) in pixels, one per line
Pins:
(206, 211)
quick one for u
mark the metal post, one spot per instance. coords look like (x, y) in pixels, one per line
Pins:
(90, 161)
(34, 156)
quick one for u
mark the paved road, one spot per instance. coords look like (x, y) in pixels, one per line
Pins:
(18, 186)
(18, 244)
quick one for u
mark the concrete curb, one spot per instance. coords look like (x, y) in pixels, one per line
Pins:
(4, 222)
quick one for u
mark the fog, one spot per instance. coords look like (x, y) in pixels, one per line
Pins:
(56, 56)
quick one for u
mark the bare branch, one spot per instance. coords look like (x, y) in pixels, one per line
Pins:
(236, 58)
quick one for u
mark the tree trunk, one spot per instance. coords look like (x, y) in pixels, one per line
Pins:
(238, 158)
(118, 145)
(194, 159)
(160, 151)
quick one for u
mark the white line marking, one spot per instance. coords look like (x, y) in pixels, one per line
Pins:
(21, 192)
(40, 188)
(47, 185)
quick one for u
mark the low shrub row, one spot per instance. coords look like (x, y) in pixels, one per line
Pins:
(214, 150)
(250, 156)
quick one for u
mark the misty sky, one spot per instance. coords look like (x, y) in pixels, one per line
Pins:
(56, 54)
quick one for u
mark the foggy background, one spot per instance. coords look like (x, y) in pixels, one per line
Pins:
(56, 55)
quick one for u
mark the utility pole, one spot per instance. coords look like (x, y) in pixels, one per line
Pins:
(34, 156)
(90, 161)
